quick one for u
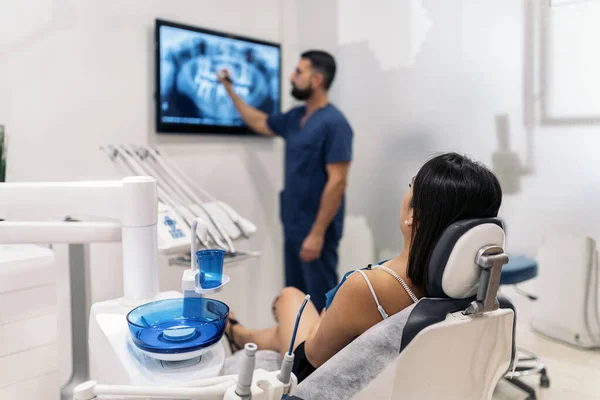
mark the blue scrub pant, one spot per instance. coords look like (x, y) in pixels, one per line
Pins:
(316, 277)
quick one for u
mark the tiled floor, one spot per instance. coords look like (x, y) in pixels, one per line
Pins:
(574, 373)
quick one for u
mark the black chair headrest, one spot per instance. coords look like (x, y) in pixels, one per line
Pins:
(453, 272)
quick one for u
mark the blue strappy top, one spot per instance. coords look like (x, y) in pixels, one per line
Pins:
(331, 294)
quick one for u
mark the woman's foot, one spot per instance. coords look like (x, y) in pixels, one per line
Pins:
(231, 322)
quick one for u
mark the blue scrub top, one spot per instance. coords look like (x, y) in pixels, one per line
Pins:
(325, 138)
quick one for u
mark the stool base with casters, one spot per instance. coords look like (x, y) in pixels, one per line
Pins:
(520, 269)
(528, 364)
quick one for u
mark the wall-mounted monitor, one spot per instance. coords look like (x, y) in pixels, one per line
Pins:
(189, 97)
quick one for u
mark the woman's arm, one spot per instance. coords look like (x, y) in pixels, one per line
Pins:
(317, 324)
(351, 313)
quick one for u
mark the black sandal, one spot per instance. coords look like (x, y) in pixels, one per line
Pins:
(232, 344)
(273, 309)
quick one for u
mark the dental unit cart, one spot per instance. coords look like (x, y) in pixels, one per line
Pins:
(146, 343)
(168, 346)
(172, 340)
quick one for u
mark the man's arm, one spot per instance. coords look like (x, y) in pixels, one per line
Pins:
(337, 177)
(255, 119)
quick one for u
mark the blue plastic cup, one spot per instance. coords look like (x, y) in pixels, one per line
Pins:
(210, 265)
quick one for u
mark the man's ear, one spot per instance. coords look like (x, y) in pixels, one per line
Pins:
(318, 79)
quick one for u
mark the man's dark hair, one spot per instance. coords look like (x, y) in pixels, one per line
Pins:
(448, 188)
(322, 62)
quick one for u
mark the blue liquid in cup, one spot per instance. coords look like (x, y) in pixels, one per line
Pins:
(210, 264)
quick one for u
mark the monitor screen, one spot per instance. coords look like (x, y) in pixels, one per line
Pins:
(190, 98)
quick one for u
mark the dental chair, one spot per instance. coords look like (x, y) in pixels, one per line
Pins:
(455, 344)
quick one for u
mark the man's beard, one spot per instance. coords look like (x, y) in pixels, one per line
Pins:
(301, 94)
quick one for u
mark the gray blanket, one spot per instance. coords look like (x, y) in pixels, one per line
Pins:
(350, 370)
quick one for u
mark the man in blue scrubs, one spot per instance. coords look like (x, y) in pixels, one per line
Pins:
(318, 153)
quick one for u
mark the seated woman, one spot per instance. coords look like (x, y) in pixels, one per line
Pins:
(448, 188)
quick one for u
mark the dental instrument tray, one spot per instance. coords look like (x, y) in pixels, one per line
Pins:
(178, 329)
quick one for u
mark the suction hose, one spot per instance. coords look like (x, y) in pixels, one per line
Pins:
(288, 359)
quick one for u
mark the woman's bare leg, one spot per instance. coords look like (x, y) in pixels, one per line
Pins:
(286, 311)
(278, 338)
(265, 339)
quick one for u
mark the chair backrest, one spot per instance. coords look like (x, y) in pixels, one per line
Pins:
(461, 358)
(460, 340)
(455, 344)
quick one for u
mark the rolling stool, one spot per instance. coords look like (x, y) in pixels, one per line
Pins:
(518, 270)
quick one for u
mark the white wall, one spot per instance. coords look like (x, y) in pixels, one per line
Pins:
(469, 68)
(75, 75)
(416, 77)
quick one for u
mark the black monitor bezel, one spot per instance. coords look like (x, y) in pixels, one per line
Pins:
(173, 128)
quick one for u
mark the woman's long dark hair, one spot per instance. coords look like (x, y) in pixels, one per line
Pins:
(448, 188)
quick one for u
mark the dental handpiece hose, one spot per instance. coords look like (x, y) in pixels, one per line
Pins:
(288, 359)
